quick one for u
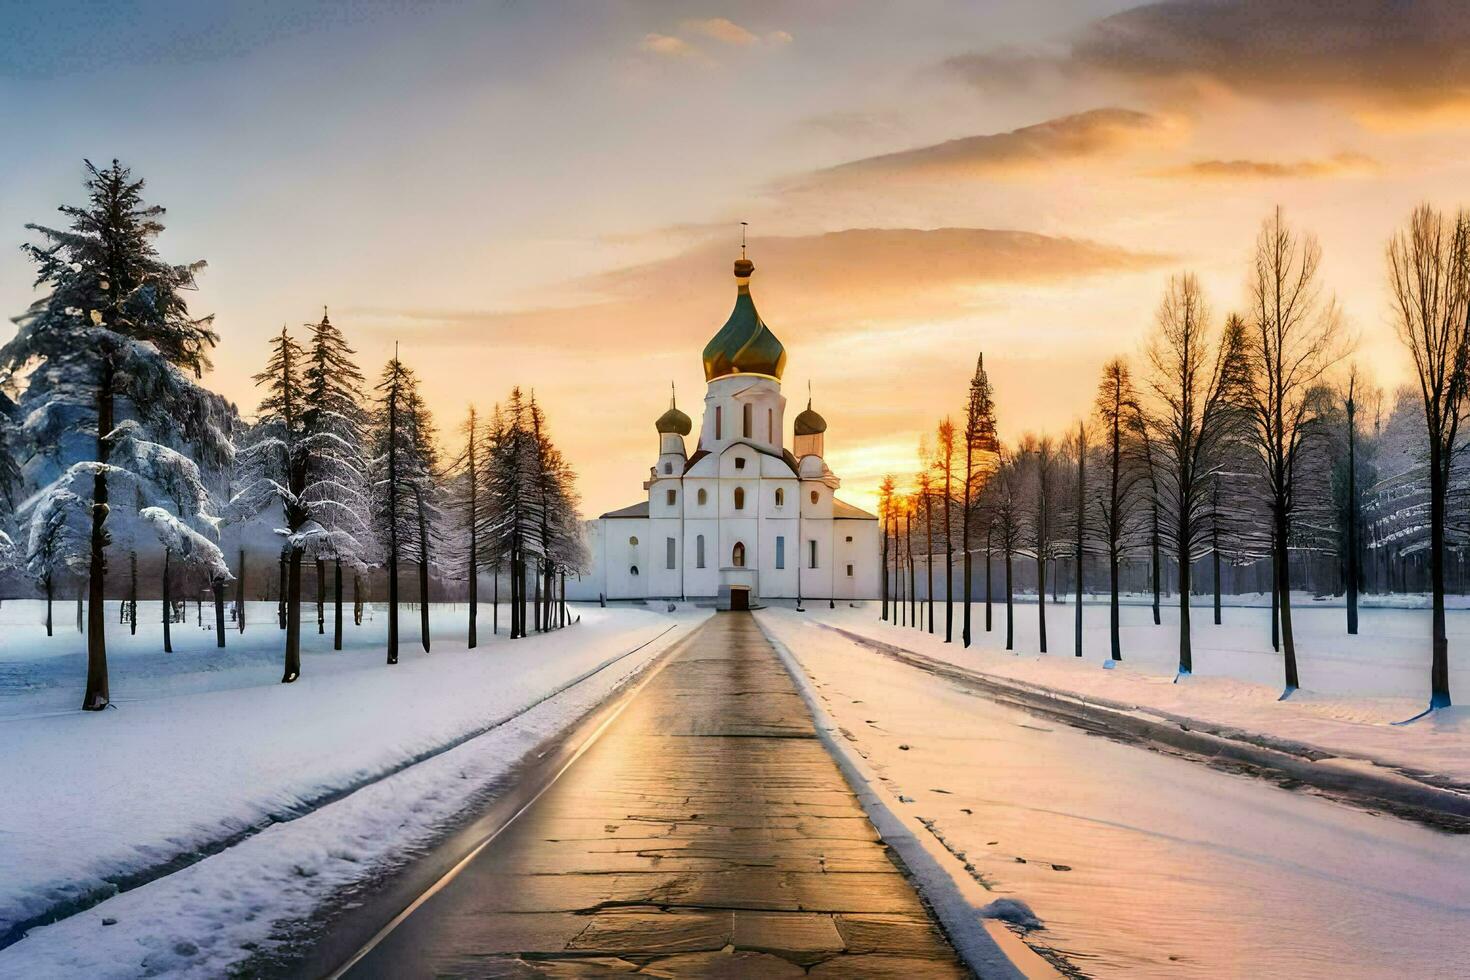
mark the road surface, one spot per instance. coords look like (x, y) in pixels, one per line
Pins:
(706, 833)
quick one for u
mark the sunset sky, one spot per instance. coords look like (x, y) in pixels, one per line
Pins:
(550, 194)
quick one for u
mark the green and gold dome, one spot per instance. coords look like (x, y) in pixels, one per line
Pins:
(744, 345)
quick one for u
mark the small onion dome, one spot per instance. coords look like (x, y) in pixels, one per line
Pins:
(809, 423)
(673, 421)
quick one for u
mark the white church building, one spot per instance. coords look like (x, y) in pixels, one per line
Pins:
(741, 517)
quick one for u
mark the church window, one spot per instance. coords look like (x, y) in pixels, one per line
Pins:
(703, 497)
(633, 571)
(812, 554)
(770, 425)
(740, 462)
(699, 550)
(718, 419)
(668, 468)
(780, 551)
(633, 541)
(737, 555)
(745, 419)
(670, 547)
(816, 496)
(849, 539)
(849, 571)
(780, 497)
(671, 496)
(739, 498)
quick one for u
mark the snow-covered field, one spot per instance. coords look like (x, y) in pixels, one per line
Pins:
(206, 745)
(1353, 687)
(1136, 863)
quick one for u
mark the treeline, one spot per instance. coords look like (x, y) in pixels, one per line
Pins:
(1230, 445)
(111, 445)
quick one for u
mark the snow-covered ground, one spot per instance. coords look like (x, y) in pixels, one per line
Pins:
(1353, 687)
(1139, 864)
(207, 745)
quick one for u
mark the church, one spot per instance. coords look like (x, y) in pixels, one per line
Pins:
(742, 517)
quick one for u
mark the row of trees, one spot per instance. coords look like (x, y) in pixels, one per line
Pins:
(109, 440)
(1234, 442)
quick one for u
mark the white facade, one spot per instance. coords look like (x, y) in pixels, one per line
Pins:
(742, 512)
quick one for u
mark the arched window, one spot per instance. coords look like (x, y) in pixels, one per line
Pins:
(672, 496)
(719, 417)
(780, 497)
(739, 498)
(746, 416)
(699, 550)
(737, 555)
(668, 468)
(770, 425)
(703, 497)
(816, 496)
(633, 541)
(633, 571)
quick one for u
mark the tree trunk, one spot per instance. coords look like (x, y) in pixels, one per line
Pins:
(1215, 556)
(96, 697)
(1352, 528)
(168, 606)
(1081, 526)
(50, 591)
(219, 611)
(474, 594)
(929, 559)
(1288, 641)
(989, 563)
(281, 595)
(1154, 542)
(1186, 651)
(1010, 606)
(293, 618)
(1040, 597)
(883, 589)
(337, 604)
(1115, 639)
(356, 599)
(1275, 599)
(133, 594)
(321, 597)
(424, 602)
(495, 602)
(240, 595)
(1439, 670)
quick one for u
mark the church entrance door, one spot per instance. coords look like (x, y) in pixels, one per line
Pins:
(739, 600)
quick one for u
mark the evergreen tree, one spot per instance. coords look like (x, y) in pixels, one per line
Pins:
(108, 395)
(334, 490)
(275, 466)
(981, 456)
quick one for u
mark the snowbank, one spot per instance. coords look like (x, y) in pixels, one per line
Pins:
(206, 745)
(1355, 687)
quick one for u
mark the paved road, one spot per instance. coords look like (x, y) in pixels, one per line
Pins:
(707, 833)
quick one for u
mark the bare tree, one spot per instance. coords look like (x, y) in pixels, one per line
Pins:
(1079, 526)
(1116, 409)
(1293, 339)
(885, 514)
(1195, 390)
(944, 460)
(1429, 275)
(1039, 454)
(924, 483)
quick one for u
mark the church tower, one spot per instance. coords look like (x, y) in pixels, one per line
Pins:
(743, 363)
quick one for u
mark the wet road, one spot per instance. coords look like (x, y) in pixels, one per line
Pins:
(706, 833)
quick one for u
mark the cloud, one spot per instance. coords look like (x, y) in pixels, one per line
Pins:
(1407, 56)
(669, 46)
(721, 29)
(821, 284)
(1086, 134)
(1340, 165)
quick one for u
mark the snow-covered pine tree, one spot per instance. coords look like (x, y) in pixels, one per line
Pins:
(399, 485)
(982, 454)
(512, 487)
(274, 468)
(561, 548)
(334, 490)
(467, 504)
(491, 537)
(422, 476)
(106, 391)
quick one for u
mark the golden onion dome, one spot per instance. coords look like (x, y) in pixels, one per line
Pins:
(744, 345)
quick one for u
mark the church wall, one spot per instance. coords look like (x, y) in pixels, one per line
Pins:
(660, 580)
(702, 582)
(776, 583)
(623, 555)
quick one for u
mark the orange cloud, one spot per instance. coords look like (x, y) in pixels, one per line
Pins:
(1340, 165)
(1028, 149)
(669, 46)
(721, 29)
